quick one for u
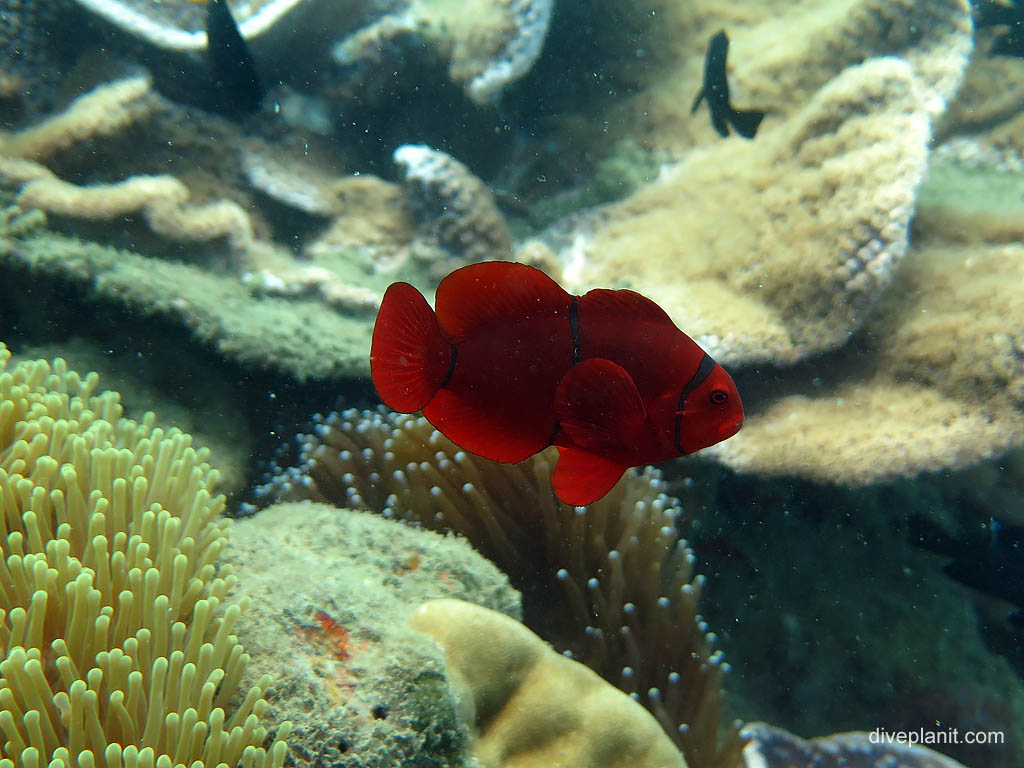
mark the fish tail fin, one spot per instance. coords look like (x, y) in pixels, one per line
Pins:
(410, 358)
(746, 121)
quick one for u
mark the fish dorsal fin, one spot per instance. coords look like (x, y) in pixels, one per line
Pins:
(581, 477)
(495, 293)
(599, 407)
(625, 304)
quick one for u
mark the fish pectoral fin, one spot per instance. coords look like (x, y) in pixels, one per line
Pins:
(697, 101)
(582, 477)
(599, 407)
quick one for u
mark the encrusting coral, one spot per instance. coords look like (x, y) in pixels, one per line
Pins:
(115, 648)
(358, 685)
(628, 607)
(530, 707)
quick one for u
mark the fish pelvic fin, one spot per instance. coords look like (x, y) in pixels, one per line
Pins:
(720, 121)
(474, 428)
(410, 358)
(581, 477)
(746, 121)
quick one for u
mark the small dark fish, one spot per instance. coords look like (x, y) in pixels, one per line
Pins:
(989, 13)
(238, 86)
(991, 561)
(716, 91)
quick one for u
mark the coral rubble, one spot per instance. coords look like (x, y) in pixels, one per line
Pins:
(772, 747)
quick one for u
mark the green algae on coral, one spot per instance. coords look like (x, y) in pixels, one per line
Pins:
(300, 337)
(330, 590)
(972, 203)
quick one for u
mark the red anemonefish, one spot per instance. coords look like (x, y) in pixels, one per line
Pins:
(510, 363)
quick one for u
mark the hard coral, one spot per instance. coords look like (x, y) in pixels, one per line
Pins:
(629, 597)
(802, 49)
(452, 205)
(777, 249)
(104, 110)
(939, 386)
(109, 591)
(162, 199)
(489, 43)
(528, 706)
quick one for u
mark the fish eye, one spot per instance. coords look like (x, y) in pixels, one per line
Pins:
(719, 397)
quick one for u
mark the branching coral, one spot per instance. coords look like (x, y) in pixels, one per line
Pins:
(113, 649)
(163, 200)
(489, 43)
(628, 607)
(453, 205)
